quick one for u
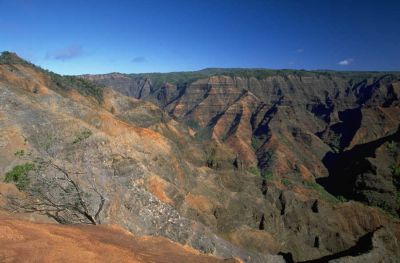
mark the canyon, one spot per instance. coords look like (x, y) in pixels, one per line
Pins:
(233, 165)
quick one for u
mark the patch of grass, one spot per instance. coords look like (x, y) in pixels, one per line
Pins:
(254, 170)
(388, 208)
(286, 182)
(268, 176)
(285, 141)
(204, 134)
(321, 191)
(82, 136)
(19, 175)
(193, 124)
(395, 168)
(256, 142)
(392, 147)
(83, 86)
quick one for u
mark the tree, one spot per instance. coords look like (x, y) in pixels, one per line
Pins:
(56, 191)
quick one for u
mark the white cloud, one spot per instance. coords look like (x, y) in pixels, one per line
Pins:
(300, 50)
(346, 62)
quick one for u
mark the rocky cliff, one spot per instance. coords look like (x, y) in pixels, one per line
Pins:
(294, 125)
(227, 163)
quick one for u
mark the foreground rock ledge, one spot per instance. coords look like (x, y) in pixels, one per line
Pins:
(25, 241)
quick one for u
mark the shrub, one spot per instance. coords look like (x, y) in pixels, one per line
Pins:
(395, 170)
(19, 153)
(286, 182)
(268, 176)
(19, 175)
(254, 170)
(82, 136)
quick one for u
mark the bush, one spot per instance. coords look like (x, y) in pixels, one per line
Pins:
(395, 170)
(82, 136)
(254, 170)
(19, 175)
(286, 182)
(19, 153)
(268, 176)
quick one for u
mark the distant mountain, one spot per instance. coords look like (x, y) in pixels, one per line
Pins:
(229, 165)
(295, 125)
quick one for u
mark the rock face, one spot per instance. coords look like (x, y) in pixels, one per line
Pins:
(224, 163)
(292, 124)
(23, 241)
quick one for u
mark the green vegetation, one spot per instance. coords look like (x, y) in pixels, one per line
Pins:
(82, 136)
(204, 134)
(321, 191)
(395, 168)
(392, 147)
(387, 208)
(19, 175)
(268, 175)
(254, 170)
(256, 142)
(19, 153)
(83, 86)
(193, 124)
(286, 182)
(11, 58)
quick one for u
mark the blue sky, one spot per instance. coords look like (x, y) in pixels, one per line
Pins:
(76, 37)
